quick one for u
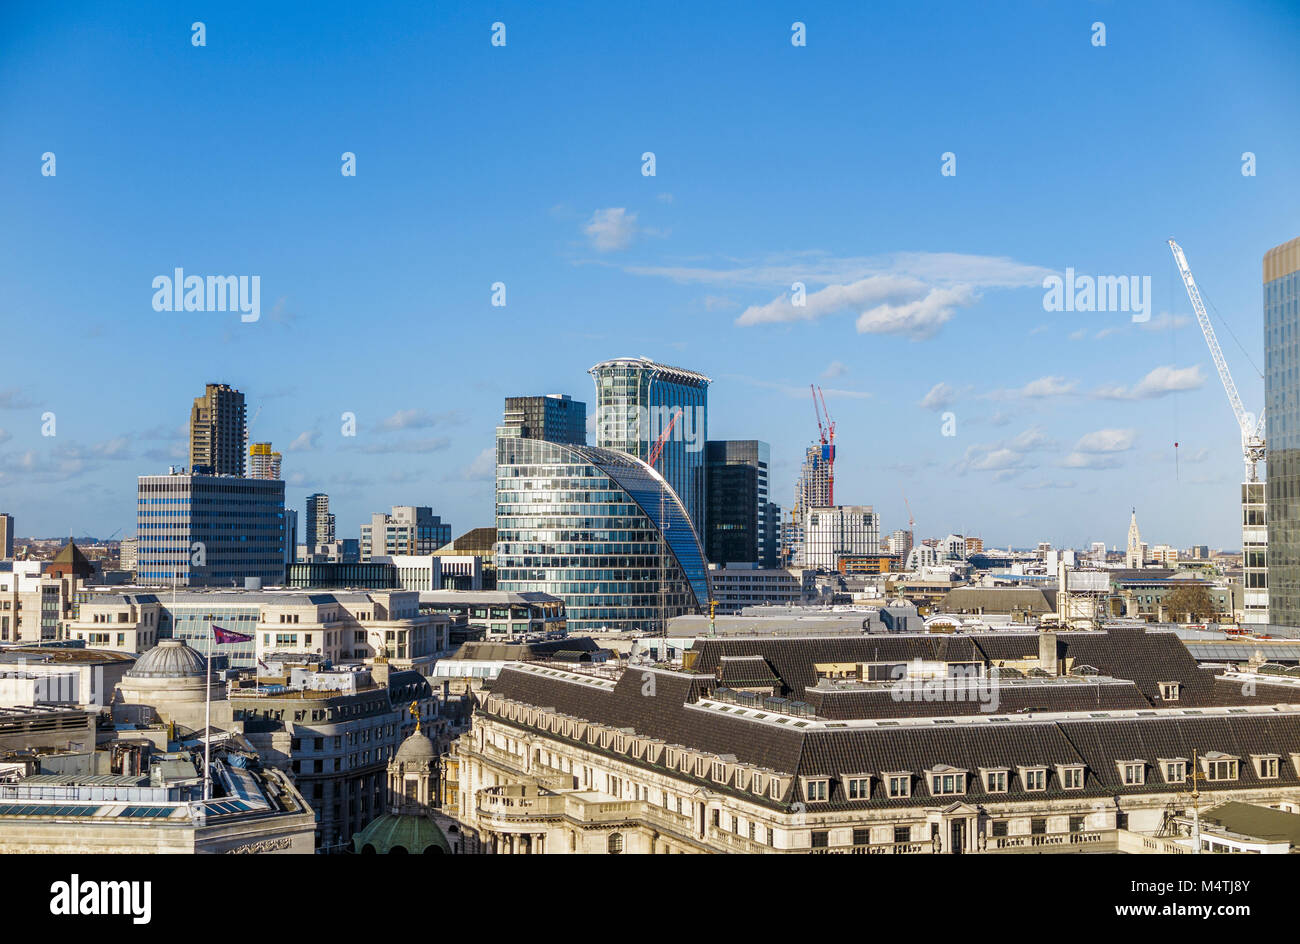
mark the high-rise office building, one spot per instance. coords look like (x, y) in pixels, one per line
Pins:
(318, 522)
(596, 528)
(262, 462)
(839, 531)
(555, 418)
(217, 432)
(635, 402)
(737, 527)
(408, 529)
(209, 530)
(1282, 442)
(6, 536)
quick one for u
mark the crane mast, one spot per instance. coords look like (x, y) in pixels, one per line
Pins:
(1254, 505)
(1252, 429)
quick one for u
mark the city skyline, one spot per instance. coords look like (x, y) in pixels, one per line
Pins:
(924, 291)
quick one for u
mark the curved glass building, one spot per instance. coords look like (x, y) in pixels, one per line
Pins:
(584, 523)
(635, 400)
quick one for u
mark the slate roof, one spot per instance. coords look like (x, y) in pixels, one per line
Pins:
(976, 697)
(747, 672)
(660, 704)
(1146, 658)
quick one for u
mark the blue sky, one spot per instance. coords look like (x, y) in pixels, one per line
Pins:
(522, 164)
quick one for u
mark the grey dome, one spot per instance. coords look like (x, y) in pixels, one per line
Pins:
(171, 658)
(416, 749)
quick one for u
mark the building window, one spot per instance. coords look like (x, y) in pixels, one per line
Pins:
(995, 781)
(1175, 771)
(1221, 769)
(859, 788)
(861, 836)
(820, 839)
(900, 786)
(615, 843)
(816, 790)
(1266, 767)
(947, 784)
(1076, 824)
(1072, 778)
(1134, 774)
(1169, 691)
(902, 834)
(999, 827)
(1034, 779)
(1038, 826)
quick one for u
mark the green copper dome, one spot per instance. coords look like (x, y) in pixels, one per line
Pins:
(401, 833)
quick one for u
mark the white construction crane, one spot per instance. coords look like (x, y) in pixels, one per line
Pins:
(1252, 429)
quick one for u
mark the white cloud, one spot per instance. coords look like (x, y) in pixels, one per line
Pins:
(833, 298)
(834, 369)
(1039, 389)
(611, 229)
(820, 268)
(940, 397)
(918, 319)
(305, 442)
(1106, 440)
(1032, 438)
(1083, 460)
(414, 419)
(483, 468)
(1158, 383)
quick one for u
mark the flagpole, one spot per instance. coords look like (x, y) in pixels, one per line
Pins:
(207, 724)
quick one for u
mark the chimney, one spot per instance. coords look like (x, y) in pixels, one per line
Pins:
(1047, 660)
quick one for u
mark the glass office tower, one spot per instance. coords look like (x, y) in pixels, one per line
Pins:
(1282, 434)
(635, 399)
(738, 529)
(585, 524)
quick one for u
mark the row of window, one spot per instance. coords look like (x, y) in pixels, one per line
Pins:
(951, 782)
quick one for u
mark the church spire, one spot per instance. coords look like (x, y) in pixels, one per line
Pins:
(1133, 557)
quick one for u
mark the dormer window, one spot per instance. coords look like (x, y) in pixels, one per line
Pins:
(1220, 766)
(1265, 765)
(858, 788)
(1169, 691)
(899, 785)
(1071, 776)
(1133, 773)
(1174, 769)
(995, 779)
(947, 781)
(1034, 779)
(817, 790)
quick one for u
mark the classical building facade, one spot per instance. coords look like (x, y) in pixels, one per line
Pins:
(996, 742)
(343, 626)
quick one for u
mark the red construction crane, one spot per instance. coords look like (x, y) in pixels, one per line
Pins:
(658, 449)
(827, 432)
